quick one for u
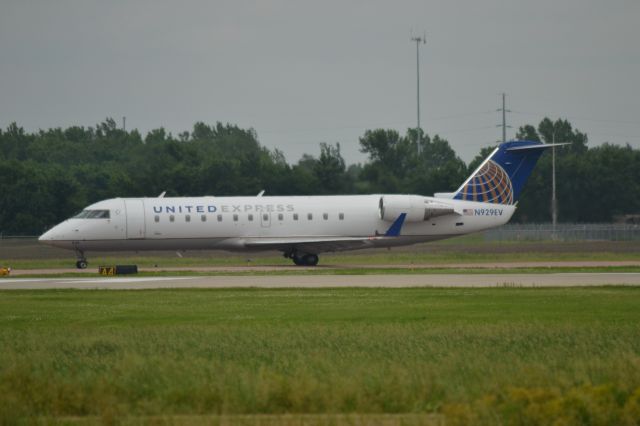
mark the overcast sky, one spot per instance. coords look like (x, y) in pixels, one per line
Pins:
(304, 72)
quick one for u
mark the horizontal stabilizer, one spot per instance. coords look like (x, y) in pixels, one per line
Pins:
(534, 147)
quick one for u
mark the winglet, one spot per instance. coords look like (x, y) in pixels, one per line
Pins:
(394, 229)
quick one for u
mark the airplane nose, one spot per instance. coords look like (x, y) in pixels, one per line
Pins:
(46, 237)
(52, 236)
(58, 236)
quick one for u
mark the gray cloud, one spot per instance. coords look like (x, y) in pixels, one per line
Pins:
(303, 72)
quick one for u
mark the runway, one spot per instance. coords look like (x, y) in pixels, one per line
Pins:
(326, 281)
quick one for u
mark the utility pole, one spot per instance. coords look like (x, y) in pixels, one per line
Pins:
(554, 201)
(124, 123)
(418, 40)
(504, 118)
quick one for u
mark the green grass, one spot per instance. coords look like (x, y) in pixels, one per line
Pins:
(28, 254)
(518, 356)
(380, 257)
(92, 272)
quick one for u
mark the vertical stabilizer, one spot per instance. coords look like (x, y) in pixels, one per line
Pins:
(501, 177)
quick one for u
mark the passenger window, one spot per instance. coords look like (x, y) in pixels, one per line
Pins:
(280, 216)
(295, 216)
(265, 217)
(250, 217)
(310, 216)
(157, 218)
(172, 218)
(203, 218)
(325, 216)
(235, 217)
(341, 216)
(219, 218)
(187, 218)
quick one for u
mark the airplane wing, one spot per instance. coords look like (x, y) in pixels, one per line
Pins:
(310, 244)
(323, 244)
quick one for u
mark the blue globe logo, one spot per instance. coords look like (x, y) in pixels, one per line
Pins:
(491, 184)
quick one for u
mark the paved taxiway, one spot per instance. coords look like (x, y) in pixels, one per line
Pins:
(325, 281)
(353, 267)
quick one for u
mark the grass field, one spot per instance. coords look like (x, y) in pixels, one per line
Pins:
(323, 356)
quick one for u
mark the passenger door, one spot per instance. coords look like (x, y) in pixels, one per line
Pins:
(135, 218)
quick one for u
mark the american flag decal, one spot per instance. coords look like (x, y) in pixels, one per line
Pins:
(467, 212)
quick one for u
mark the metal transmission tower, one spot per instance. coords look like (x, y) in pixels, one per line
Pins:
(418, 40)
(504, 119)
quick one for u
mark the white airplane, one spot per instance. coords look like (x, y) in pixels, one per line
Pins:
(303, 226)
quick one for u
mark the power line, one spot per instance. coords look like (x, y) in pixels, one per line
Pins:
(472, 129)
(596, 120)
(372, 126)
(616, 135)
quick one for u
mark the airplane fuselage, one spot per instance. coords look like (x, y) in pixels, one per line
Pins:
(228, 222)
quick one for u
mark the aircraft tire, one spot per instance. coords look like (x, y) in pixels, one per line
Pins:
(298, 261)
(81, 264)
(311, 259)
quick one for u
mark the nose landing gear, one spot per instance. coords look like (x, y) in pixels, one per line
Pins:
(82, 260)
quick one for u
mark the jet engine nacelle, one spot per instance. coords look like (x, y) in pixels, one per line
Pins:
(392, 206)
(417, 208)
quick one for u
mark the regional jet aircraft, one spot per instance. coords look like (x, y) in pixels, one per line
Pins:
(301, 227)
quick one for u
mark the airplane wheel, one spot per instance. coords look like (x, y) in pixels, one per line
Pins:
(306, 260)
(81, 264)
(311, 259)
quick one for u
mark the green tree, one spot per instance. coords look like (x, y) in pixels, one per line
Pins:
(561, 131)
(330, 170)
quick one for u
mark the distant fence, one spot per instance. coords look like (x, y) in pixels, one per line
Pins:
(565, 232)
(22, 237)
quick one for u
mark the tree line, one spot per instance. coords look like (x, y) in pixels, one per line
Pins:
(48, 175)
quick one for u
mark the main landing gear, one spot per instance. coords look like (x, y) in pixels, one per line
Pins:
(82, 261)
(303, 259)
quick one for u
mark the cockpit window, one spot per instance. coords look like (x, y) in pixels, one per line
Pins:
(93, 214)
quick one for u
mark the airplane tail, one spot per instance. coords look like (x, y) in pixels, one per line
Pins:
(501, 177)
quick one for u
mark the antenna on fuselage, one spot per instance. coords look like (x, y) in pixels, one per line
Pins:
(162, 195)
